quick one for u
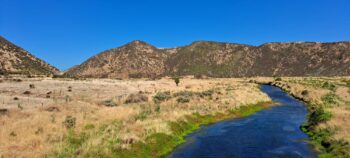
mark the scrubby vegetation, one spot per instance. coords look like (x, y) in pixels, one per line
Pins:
(109, 103)
(136, 98)
(329, 99)
(69, 122)
(322, 137)
(328, 85)
(161, 96)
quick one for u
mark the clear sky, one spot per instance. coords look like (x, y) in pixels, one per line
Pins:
(67, 32)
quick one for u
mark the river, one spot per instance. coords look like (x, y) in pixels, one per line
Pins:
(270, 133)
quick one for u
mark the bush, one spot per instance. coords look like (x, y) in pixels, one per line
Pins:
(347, 82)
(329, 86)
(305, 92)
(207, 93)
(176, 80)
(27, 92)
(69, 122)
(329, 99)
(70, 89)
(136, 98)
(31, 86)
(89, 126)
(183, 94)
(183, 100)
(142, 115)
(162, 96)
(318, 115)
(109, 103)
(278, 79)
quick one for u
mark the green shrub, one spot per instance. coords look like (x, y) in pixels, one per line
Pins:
(207, 93)
(176, 80)
(89, 126)
(136, 98)
(319, 115)
(278, 79)
(184, 94)
(109, 103)
(347, 82)
(329, 86)
(329, 99)
(69, 122)
(183, 100)
(162, 96)
(143, 115)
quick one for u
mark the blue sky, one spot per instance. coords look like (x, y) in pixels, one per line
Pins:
(67, 32)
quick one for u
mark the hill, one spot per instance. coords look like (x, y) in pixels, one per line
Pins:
(15, 60)
(139, 59)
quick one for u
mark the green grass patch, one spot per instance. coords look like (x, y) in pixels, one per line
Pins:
(329, 99)
(155, 145)
(160, 144)
(73, 142)
(328, 86)
(322, 137)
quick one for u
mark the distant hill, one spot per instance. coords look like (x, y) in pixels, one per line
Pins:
(15, 60)
(139, 59)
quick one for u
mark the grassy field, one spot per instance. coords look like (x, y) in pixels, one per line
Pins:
(148, 118)
(328, 100)
(114, 118)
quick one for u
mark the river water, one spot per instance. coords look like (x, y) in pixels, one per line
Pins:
(270, 133)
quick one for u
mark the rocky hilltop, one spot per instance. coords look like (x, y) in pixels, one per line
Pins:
(139, 59)
(15, 60)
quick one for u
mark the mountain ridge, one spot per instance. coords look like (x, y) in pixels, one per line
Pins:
(219, 59)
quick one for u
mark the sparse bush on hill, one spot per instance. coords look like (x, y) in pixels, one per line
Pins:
(207, 93)
(136, 98)
(183, 100)
(328, 85)
(161, 96)
(184, 94)
(109, 103)
(329, 99)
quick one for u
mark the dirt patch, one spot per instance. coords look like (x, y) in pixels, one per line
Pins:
(343, 93)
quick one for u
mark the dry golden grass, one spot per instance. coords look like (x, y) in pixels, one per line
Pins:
(33, 126)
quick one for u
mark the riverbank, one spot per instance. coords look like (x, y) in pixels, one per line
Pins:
(160, 144)
(329, 111)
(96, 117)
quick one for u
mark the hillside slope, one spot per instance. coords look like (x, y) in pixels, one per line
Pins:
(15, 60)
(135, 59)
(139, 59)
